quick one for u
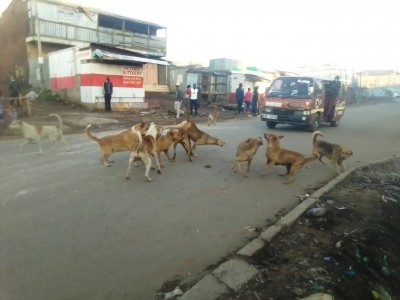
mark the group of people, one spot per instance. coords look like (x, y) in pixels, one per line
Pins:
(191, 94)
(247, 101)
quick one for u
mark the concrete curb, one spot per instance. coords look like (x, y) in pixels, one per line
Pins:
(234, 273)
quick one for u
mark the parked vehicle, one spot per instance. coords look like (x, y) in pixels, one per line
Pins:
(304, 101)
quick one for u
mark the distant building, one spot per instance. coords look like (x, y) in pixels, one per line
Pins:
(36, 28)
(219, 81)
(378, 78)
(366, 79)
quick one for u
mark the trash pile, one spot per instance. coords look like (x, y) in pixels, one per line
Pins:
(344, 247)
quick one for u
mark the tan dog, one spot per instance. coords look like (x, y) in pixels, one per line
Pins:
(276, 155)
(35, 134)
(164, 142)
(121, 142)
(145, 150)
(196, 135)
(212, 117)
(185, 142)
(336, 153)
(245, 152)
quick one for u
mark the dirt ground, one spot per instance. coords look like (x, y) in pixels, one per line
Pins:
(350, 252)
(76, 117)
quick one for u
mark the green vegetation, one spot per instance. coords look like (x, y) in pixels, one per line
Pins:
(47, 95)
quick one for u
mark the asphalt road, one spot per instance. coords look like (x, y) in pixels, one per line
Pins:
(71, 228)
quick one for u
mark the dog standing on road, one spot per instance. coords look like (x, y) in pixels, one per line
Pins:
(144, 151)
(276, 155)
(212, 117)
(164, 142)
(193, 133)
(245, 152)
(335, 152)
(123, 141)
(34, 134)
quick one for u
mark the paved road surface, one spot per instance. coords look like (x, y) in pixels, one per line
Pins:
(73, 229)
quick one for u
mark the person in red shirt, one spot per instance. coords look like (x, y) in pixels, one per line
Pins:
(247, 99)
(186, 97)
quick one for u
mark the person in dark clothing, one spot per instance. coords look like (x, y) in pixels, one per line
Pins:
(332, 93)
(13, 89)
(198, 96)
(254, 101)
(239, 98)
(107, 90)
(178, 101)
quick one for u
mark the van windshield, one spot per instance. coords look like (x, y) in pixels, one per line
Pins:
(292, 87)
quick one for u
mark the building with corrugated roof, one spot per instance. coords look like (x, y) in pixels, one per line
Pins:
(36, 28)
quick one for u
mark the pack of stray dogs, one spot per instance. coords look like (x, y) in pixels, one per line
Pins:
(146, 142)
(276, 155)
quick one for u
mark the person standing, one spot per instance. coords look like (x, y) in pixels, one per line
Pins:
(239, 98)
(198, 96)
(332, 93)
(254, 102)
(247, 99)
(107, 91)
(13, 89)
(188, 92)
(178, 101)
(193, 99)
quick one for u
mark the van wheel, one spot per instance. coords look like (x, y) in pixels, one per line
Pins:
(334, 123)
(270, 124)
(314, 125)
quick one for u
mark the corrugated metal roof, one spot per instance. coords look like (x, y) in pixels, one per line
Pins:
(106, 55)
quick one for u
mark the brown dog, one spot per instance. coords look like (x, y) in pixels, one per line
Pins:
(145, 150)
(124, 141)
(336, 153)
(34, 134)
(212, 117)
(196, 135)
(276, 155)
(245, 152)
(164, 142)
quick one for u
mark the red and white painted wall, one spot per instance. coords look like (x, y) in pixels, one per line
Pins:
(73, 71)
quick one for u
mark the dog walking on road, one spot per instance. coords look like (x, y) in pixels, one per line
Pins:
(34, 134)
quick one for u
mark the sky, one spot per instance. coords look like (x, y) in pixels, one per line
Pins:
(272, 35)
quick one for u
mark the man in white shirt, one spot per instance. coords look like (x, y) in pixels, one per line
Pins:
(193, 100)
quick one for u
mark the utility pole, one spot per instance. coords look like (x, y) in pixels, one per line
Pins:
(39, 47)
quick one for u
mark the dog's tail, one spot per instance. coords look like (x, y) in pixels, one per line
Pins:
(89, 134)
(60, 123)
(315, 134)
(136, 129)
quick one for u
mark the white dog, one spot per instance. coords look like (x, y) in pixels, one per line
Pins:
(34, 134)
(145, 150)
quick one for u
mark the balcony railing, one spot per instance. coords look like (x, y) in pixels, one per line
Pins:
(151, 45)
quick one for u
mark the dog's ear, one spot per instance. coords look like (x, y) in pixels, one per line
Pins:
(280, 137)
